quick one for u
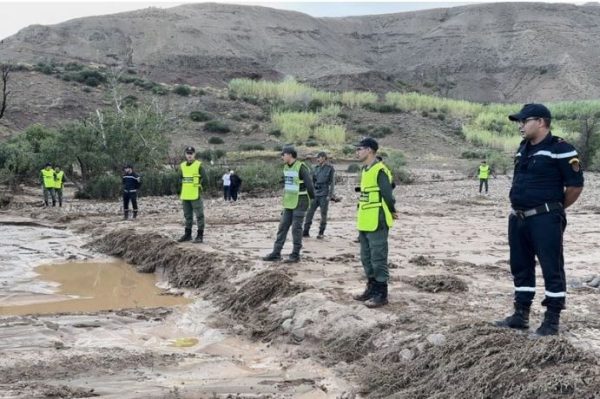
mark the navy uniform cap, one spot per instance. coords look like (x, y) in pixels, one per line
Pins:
(368, 142)
(531, 111)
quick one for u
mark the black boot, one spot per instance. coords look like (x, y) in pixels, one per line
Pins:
(292, 258)
(53, 203)
(518, 320)
(321, 235)
(550, 324)
(379, 296)
(135, 213)
(366, 295)
(199, 237)
(272, 257)
(187, 236)
(46, 203)
(305, 234)
(125, 214)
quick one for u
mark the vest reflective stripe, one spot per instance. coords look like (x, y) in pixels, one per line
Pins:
(292, 183)
(484, 171)
(190, 183)
(367, 215)
(48, 176)
(58, 183)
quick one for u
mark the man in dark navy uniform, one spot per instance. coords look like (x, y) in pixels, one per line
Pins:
(547, 180)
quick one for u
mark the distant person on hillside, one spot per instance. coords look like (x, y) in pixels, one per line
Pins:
(59, 182)
(48, 182)
(547, 179)
(323, 177)
(131, 183)
(226, 186)
(236, 184)
(298, 191)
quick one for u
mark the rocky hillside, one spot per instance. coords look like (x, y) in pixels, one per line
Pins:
(491, 52)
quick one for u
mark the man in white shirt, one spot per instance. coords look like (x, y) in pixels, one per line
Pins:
(226, 186)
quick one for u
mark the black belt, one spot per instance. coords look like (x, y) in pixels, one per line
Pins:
(547, 207)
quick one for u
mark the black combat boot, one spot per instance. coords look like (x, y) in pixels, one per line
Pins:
(272, 257)
(53, 203)
(292, 258)
(187, 236)
(305, 234)
(379, 295)
(199, 237)
(135, 213)
(46, 203)
(125, 214)
(366, 295)
(550, 324)
(321, 235)
(518, 320)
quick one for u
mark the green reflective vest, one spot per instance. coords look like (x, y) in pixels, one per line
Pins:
(484, 171)
(48, 176)
(370, 202)
(190, 183)
(58, 183)
(292, 185)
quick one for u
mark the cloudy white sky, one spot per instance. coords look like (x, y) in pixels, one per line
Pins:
(17, 15)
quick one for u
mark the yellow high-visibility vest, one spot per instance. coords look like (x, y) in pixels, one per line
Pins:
(48, 176)
(484, 171)
(191, 184)
(58, 183)
(370, 202)
(292, 182)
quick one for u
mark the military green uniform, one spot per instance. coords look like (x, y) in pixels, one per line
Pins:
(191, 200)
(324, 180)
(48, 178)
(374, 218)
(58, 186)
(298, 191)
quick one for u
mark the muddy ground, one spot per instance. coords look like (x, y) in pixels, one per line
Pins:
(259, 329)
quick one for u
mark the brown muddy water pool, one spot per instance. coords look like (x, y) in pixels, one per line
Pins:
(90, 286)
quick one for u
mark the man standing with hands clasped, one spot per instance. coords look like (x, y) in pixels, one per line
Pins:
(547, 180)
(375, 215)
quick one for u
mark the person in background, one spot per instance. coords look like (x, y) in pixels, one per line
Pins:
(131, 183)
(59, 183)
(226, 186)
(192, 176)
(236, 183)
(48, 182)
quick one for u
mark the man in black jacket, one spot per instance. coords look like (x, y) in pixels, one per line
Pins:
(131, 183)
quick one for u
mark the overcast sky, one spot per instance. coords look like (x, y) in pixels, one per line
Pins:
(15, 16)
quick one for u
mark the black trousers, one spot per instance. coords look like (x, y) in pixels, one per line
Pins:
(234, 192)
(127, 197)
(542, 236)
(481, 183)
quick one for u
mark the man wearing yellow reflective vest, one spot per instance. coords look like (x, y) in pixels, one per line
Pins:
(298, 191)
(483, 172)
(192, 176)
(375, 215)
(48, 181)
(59, 183)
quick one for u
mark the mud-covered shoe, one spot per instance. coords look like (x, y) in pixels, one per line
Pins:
(379, 296)
(550, 324)
(292, 258)
(366, 295)
(199, 237)
(187, 236)
(518, 320)
(320, 236)
(272, 257)
(305, 234)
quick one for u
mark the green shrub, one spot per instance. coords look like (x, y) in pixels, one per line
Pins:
(211, 155)
(275, 133)
(251, 147)
(349, 150)
(199, 116)
(311, 142)
(260, 176)
(73, 66)
(215, 140)
(331, 134)
(353, 168)
(45, 68)
(380, 131)
(182, 90)
(160, 183)
(130, 101)
(159, 90)
(474, 154)
(315, 105)
(382, 108)
(104, 187)
(216, 127)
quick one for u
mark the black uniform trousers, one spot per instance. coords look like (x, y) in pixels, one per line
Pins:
(542, 236)
(127, 197)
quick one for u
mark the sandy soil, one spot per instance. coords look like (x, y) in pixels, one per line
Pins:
(449, 278)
